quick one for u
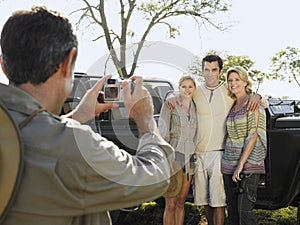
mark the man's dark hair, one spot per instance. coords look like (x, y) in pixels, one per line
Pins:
(212, 58)
(33, 43)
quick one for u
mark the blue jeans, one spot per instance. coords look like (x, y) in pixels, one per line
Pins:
(241, 197)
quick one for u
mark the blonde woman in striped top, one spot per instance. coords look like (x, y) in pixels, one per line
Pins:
(245, 150)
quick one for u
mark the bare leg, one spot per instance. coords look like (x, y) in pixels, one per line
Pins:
(179, 215)
(219, 215)
(209, 214)
(169, 213)
(215, 215)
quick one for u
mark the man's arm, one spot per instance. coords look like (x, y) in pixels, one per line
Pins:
(171, 100)
(139, 106)
(142, 177)
(255, 100)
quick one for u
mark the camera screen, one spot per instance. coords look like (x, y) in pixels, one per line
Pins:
(111, 92)
(111, 81)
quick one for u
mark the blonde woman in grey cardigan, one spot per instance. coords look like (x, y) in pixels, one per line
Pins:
(179, 128)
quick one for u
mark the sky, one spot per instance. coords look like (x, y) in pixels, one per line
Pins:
(260, 29)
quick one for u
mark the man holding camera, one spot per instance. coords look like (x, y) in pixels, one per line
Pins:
(71, 174)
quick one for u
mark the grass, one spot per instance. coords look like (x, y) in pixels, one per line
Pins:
(151, 213)
(284, 216)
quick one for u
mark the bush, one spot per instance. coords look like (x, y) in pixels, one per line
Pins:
(151, 213)
(284, 216)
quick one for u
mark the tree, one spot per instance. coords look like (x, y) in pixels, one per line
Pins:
(230, 61)
(153, 13)
(286, 64)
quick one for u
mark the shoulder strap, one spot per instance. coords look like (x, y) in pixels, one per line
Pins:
(30, 117)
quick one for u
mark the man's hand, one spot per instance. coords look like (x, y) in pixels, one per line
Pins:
(171, 101)
(139, 106)
(89, 107)
(254, 102)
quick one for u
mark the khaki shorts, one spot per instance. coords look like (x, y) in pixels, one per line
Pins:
(209, 185)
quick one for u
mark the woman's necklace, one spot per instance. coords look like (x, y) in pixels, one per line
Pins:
(212, 89)
(241, 103)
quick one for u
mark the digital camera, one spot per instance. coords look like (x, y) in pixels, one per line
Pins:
(113, 91)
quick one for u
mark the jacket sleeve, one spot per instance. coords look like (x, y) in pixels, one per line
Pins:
(164, 122)
(259, 150)
(115, 179)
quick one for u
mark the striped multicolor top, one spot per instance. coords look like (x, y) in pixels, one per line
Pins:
(240, 129)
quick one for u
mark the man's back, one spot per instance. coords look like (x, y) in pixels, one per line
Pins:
(71, 173)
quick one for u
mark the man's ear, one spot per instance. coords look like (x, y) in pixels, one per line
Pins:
(67, 65)
(2, 65)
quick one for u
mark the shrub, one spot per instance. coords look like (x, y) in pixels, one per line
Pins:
(284, 216)
(151, 213)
